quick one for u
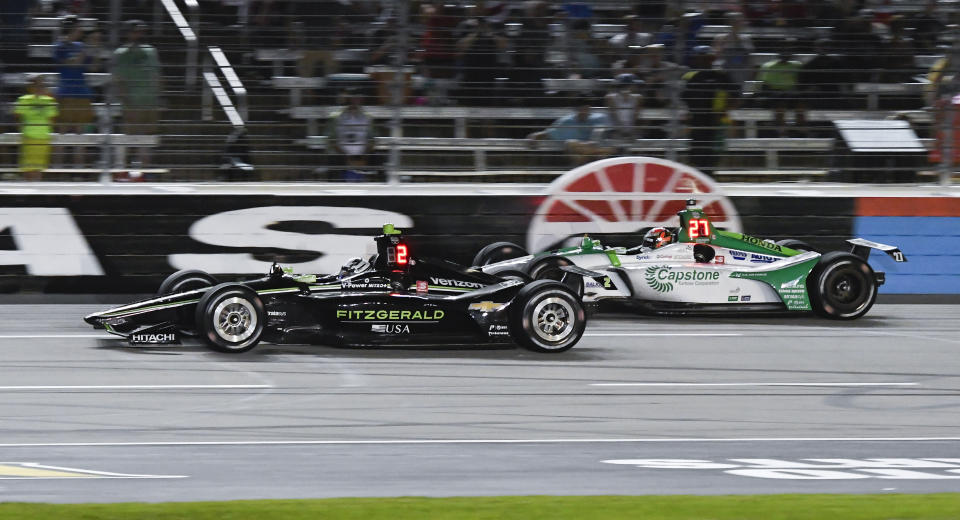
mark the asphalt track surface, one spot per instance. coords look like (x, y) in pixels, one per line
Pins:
(641, 406)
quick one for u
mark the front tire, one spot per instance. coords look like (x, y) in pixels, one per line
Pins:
(182, 281)
(230, 318)
(498, 252)
(546, 316)
(552, 269)
(842, 286)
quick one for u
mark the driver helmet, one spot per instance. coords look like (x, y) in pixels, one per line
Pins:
(657, 238)
(354, 266)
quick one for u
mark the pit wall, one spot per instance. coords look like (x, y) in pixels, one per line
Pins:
(926, 229)
(98, 243)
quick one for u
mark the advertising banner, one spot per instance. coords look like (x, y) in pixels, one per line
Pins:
(97, 243)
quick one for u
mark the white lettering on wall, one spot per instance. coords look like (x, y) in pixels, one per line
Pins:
(49, 243)
(246, 228)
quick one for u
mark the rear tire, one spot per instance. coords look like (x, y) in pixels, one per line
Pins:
(230, 318)
(550, 269)
(498, 252)
(182, 281)
(842, 286)
(798, 245)
(514, 275)
(547, 317)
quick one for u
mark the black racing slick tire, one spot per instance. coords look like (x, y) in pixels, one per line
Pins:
(546, 316)
(182, 281)
(797, 245)
(498, 252)
(842, 286)
(551, 269)
(514, 275)
(186, 280)
(230, 318)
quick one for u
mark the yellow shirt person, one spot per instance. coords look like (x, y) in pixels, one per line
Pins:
(36, 111)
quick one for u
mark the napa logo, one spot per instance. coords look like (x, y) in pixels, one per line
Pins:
(657, 283)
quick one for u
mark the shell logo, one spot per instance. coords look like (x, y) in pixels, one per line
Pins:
(625, 195)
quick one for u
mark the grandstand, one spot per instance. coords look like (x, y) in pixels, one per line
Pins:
(453, 90)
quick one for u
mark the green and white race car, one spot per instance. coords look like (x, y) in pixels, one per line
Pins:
(698, 268)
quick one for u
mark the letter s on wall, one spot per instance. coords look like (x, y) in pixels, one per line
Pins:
(248, 228)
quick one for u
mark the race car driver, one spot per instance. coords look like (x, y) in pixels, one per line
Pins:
(657, 238)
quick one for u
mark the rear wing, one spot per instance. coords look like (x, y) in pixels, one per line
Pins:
(862, 247)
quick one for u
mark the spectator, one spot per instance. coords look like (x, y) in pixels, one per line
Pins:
(530, 57)
(708, 94)
(318, 29)
(658, 76)
(78, 8)
(898, 51)
(137, 76)
(3, 115)
(687, 25)
(535, 37)
(630, 63)
(526, 83)
(479, 52)
(495, 12)
(267, 24)
(778, 88)
(385, 43)
(633, 35)
(762, 13)
(237, 164)
(733, 49)
(438, 40)
(926, 27)
(623, 107)
(93, 41)
(794, 13)
(584, 52)
(944, 75)
(73, 93)
(819, 80)
(350, 137)
(860, 45)
(439, 49)
(36, 111)
(14, 31)
(581, 132)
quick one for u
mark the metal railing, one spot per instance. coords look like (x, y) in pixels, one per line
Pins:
(215, 89)
(189, 31)
(237, 112)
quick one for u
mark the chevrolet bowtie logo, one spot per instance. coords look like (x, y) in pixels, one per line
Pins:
(485, 306)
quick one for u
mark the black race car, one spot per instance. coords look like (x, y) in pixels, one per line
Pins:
(392, 298)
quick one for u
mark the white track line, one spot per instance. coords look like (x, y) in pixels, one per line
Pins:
(478, 441)
(86, 473)
(55, 336)
(753, 384)
(133, 387)
(663, 334)
(592, 334)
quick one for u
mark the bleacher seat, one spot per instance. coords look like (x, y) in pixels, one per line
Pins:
(119, 142)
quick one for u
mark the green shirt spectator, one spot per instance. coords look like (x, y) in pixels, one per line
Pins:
(37, 112)
(137, 70)
(780, 74)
